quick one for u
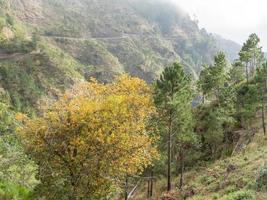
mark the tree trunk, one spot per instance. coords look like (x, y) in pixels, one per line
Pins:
(148, 188)
(74, 193)
(151, 183)
(247, 75)
(263, 116)
(181, 169)
(169, 153)
(126, 188)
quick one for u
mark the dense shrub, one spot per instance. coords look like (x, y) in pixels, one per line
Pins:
(10, 191)
(261, 182)
(239, 195)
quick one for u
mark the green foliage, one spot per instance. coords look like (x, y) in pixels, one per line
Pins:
(17, 41)
(239, 195)
(212, 121)
(215, 118)
(251, 55)
(213, 77)
(172, 88)
(16, 170)
(10, 20)
(2, 2)
(237, 73)
(261, 181)
(247, 103)
(2, 22)
(6, 119)
(230, 189)
(173, 99)
(207, 180)
(10, 191)
(15, 166)
(204, 82)
(39, 69)
(23, 89)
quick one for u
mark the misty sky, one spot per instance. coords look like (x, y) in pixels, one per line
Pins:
(233, 19)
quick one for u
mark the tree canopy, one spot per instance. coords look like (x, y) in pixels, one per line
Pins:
(91, 138)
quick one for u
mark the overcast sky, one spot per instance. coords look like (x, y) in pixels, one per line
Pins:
(232, 19)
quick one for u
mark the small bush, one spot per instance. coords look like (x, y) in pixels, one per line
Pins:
(10, 191)
(215, 197)
(261, 181)
(239, 195)
(207, 180)
(230, 189)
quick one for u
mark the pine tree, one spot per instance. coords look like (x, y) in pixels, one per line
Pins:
(218, 73)
(236, 73)
(261, 79)
(251, 55)
(215, 117)
(204, 82)
(213, 77)
(173, 97)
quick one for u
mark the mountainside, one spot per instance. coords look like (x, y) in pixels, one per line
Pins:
(228, 46)
(31, 68)
(51, 44)
(122, 35)
(93, 104)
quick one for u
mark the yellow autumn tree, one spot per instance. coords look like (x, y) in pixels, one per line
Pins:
(91, 138)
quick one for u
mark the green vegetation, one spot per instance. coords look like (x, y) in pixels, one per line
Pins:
(229, 122)
(261, 181)
(173, 97)
(11, 191)
(198, 131)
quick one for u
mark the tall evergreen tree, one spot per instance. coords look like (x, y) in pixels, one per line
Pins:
(214, 118)
(236, 73)
(251, 55)
(173, 99)
(261, 79)
(204, 83)
(213, 77)
(218, 73)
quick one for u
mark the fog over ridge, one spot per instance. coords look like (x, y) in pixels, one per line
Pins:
(232, 19)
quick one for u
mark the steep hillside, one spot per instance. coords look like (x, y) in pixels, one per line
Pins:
(31, 68)
(228, 46)
(133, 36)
(48, 45)
(240, 177)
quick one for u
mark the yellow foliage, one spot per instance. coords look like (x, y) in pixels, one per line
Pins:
(95, 134)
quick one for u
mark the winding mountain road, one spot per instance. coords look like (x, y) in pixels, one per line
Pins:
(125, 36)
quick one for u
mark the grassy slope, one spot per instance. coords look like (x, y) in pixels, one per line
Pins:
(214, 181)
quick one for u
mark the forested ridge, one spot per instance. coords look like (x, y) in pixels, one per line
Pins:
(82, 119)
